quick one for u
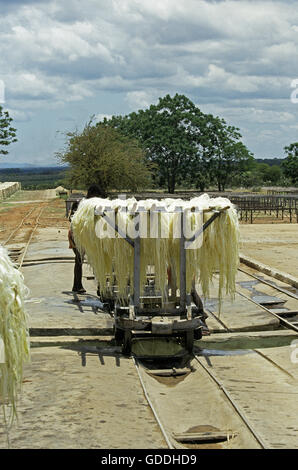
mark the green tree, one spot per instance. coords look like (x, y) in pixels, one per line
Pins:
(225, 154)
(269, 174)
(171, 132)
(186, 144)
(102, 155)
(7, 133)
(290, 163)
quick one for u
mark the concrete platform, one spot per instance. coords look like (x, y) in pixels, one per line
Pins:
(272, 245)
(71, 401)
(52, 307)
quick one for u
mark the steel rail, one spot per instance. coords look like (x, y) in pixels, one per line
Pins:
(274, 363)
(166, 437)
(261, 441)
(280, 289)
(19, 226)
(282, 320)
(31, 235)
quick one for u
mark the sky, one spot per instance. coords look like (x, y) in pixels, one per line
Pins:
(63, 62)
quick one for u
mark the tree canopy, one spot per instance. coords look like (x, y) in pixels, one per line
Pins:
(290, 163)
(104, 156)
(173, 140)
(185, 143)
(7, 132)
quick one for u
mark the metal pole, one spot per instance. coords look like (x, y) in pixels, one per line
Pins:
(182, 265)
(136, 272)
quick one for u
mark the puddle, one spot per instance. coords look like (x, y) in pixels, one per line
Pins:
(267, 299)
(209, 442)
(239, 344)
(157, 347)
(92, 303)
(223, 352)
(248, 285)
(260, 297)
(210, 304)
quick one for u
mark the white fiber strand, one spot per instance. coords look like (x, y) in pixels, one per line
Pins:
(13, 332)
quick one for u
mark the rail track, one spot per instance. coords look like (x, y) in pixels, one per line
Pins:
(287, 295)
(239, 422)
(33, 215)
(283, 290)
(205, 439)
(226, 405)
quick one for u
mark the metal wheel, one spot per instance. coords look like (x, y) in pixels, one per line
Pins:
(198, 333)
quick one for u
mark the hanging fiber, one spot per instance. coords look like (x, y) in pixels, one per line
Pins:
(14, 338)
(109, 254)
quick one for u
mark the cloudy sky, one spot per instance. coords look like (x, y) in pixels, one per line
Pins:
(63, 61)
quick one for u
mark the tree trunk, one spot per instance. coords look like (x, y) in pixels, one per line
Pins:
(171, 184)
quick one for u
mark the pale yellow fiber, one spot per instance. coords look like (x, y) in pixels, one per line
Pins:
(107, 252)
(14, 336)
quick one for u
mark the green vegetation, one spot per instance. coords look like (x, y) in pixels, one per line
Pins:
(35, 178)
(7, 133)
(104, 156)
(290, 163)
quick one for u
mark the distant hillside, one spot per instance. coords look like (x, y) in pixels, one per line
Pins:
(35, 177)
(5, 165)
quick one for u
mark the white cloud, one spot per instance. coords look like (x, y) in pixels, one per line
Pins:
(138, 99)
(100, 116)
(19, 115)
(225, 55)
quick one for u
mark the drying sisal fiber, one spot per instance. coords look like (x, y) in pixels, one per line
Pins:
(14, 339)
(159, 221)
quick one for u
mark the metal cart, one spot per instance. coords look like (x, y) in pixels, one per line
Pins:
(146, 314)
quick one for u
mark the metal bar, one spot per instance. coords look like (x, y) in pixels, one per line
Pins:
(136, 272)
(117, 229)
(182, 265)
(202, 229)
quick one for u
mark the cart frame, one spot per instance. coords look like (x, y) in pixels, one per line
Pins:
(167, 321)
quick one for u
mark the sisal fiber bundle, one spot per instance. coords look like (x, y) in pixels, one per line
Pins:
(159, 229)
(15, 349)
